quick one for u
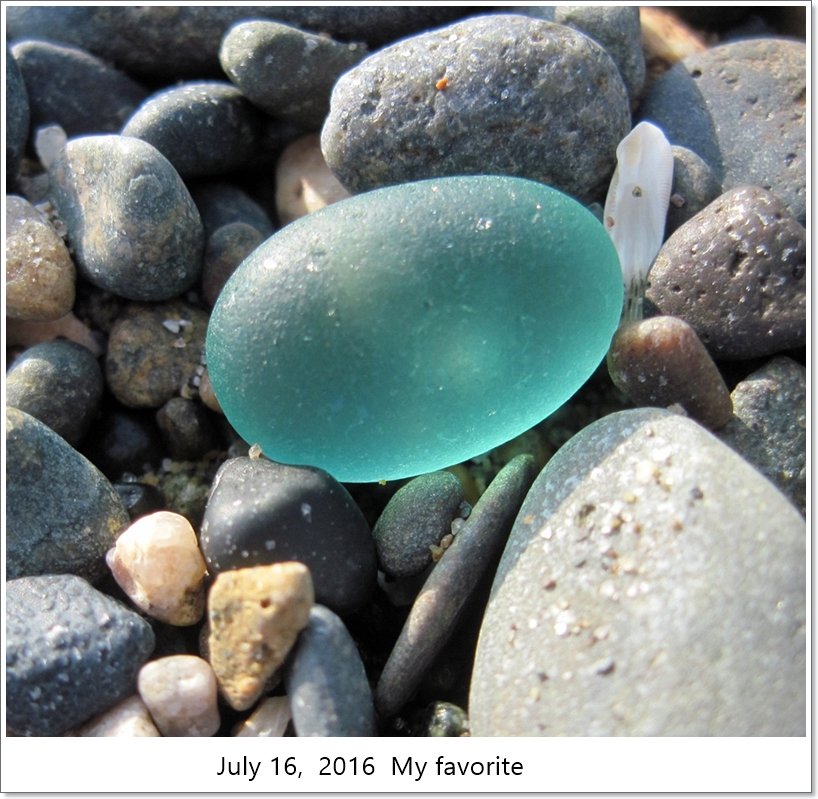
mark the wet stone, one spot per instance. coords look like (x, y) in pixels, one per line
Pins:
(59, 383)
(326, 681)
(129, 719)
(694, 187)
(584, 633)
(187, 429)
(17, 118)
(222, 204)
(226, 248)
(71, 653)
(156, 253)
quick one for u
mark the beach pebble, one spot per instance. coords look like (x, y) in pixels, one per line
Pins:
(153, 350)
(72, 653)
(270, 719)
(226, 248)
(139, 499)
(157, 563)
(255, 615)
(129, 719)
(661, 362)
(770, 425)
(304, 182)
(496, 94)
(62, 514)
(148, 244)
(59, 383)
(124, 440)
(17, 117)
(326, 682)
(417, 517)
(648, 567)
(69, 87)
(40, 274)
(451, 584)
(288, 73)
(736, 273)
(221, 204)
(20, 333)
(202, 128)
(694, 187)
(187, 429)
(181, 694)
(741, 107)
(261, 512)
(206, 394)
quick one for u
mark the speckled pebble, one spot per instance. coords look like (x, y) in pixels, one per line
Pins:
(72, 652)
(653, 584)
(17, 117)
(129, 719)
(187, 429)
(694, 187)
(226, 248)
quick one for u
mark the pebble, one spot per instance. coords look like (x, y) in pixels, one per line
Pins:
(72, 652)
(124, 441)
(187, 429)
(661, 362)
(304, 182)
(181, 694)
(288, 73)
(156, 253)
(88, 97)
(26, 334)
(261, 512)
(40, 274)
(742, 107)
(139, 499)
(157, 562)
(153, 351)
(221, 204)
(736, 273)
(62, 514)
(206, 394)
(59, 383)
(495, 94)
(202, 128)
(17, 117)
(128, 719)
(326, 681)
(770, 425)
(446, 593)
(694, 187)
(445, 720)
(270, 719)
(417, 517)
(255, 615)
(226, 248)
(653, 584)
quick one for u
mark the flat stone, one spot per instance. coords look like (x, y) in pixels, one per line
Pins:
(128, 719)
(653, 584)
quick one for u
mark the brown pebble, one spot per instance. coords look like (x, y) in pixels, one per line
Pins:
(226, 248)
(128, 719)
(255, 616)
(661, 361)
(207, 395)
(20, 333)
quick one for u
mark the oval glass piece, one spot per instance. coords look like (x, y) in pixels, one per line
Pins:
(412, 327)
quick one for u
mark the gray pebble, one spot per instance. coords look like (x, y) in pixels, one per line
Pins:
(148, 243)
(326, 682)
(443, 598)
(59, 383)
(17, 117)
(694, 187)
(226, 248)
(500, 94)
(286, 72)
(62, 515)
(202, 128)
(769, 427)
(222, 204)
(72, 652)
(187, 429)
(653, 584)
(415, 519)
(742, 108)
(736, 273)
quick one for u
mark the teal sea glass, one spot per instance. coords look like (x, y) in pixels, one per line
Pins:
(413, 327)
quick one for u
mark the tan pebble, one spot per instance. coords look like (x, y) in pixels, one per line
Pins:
(206, 393)
(158, 564)
(666, 39)
(265, 607)
(129, 719)
(268, 720)
(304, 182)
(27, 334)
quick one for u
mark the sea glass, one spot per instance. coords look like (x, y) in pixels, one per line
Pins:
(413, 327)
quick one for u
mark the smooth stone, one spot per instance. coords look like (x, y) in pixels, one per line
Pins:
(742, 107)
(694, 187)
(377, 339)
(326, 681)
(153, 351)
(59, 383)
(62, 514)
(157, 563)
(17, 118)
(139, 499)
(255, 616)
(444, 597)
(497, 94)
(187, 429)
(148, 244)
(221, 204)
(70, 87)
(129, 719)
(653, 584)
(181, 694)
(286, 72)
(769, 428)
(270, 719)
(72, 652)
(40, 274)
(736, 273)
(260, 512)
(20, 333)
(417, 517)
(124, 441)
(225, 249)
(202, 128)
(661, 362)
(206, 394)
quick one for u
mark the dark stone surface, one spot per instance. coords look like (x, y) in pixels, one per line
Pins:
(72, 652)
(221, 204)
(17, 118)
(226, 248)
(187, 428)
(694, 187)
(140, 499)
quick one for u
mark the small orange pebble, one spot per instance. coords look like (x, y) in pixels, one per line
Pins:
(442, 83)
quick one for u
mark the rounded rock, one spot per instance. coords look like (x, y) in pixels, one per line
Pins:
(226, 248)
(187, 428)
(129, 719)
(222, 204)
(694, 187)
